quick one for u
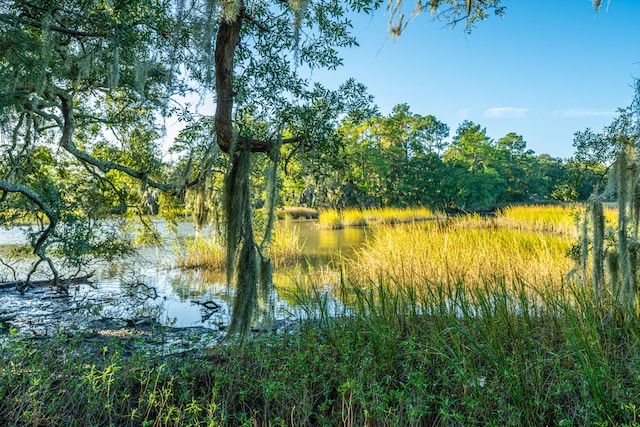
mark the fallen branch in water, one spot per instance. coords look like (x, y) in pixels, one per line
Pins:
(209, 305)
(45, 282)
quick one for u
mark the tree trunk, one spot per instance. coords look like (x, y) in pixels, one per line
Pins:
(227, 41)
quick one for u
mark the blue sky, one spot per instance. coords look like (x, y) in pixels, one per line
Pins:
(545, 70)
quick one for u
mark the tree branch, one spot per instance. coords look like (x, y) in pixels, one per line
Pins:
(66, 142)
(52, 216)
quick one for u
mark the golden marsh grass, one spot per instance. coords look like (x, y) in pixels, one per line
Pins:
(547, 218)
(454, 252)
(209, 253)
(333, 218)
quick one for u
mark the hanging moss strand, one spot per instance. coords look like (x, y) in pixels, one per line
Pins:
(236, 200)
(246, 284)
(597, 218)
(242, 258)
(272, 193)
(266, 266)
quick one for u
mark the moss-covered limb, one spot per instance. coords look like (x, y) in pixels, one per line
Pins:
(597, 254)
(67, 143)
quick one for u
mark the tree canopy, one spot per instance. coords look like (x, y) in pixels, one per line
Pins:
(85, 87)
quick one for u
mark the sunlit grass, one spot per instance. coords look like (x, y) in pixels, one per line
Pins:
(201, 252)
(286, 247)
(397, 215)
(209, 253)
(547, 218)
(424, 254)
(353, 218)
(333, 218)
(330, 218)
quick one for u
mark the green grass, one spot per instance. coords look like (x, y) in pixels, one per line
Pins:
(396, 357)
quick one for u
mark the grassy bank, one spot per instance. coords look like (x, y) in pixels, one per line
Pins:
(398, 357)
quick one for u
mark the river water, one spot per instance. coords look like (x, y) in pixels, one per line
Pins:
(147, 287)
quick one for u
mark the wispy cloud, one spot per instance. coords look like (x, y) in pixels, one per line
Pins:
(465, 113)
(585, 112)
(506, 112)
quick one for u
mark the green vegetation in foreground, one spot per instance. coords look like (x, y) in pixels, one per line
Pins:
(399, 357)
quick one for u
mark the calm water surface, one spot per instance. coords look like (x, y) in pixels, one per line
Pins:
(148, 286)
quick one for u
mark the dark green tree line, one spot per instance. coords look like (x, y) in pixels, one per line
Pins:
(404, 159)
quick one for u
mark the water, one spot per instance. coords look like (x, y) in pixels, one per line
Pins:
(147, 286)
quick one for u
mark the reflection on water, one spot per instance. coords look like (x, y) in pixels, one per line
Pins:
(148, 286)
(320, 241)
(13, 235)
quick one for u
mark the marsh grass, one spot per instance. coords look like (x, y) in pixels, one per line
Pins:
(286, 249)
(330, 218)
(201, 252)
(562, 219)
(421, 254)
(208, 253)
(333, 218)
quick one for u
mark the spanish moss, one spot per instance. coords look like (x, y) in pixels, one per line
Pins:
(597, 218)
(266, 266)
(237, 201)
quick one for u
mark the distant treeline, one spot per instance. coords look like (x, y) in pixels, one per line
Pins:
(402, 160)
